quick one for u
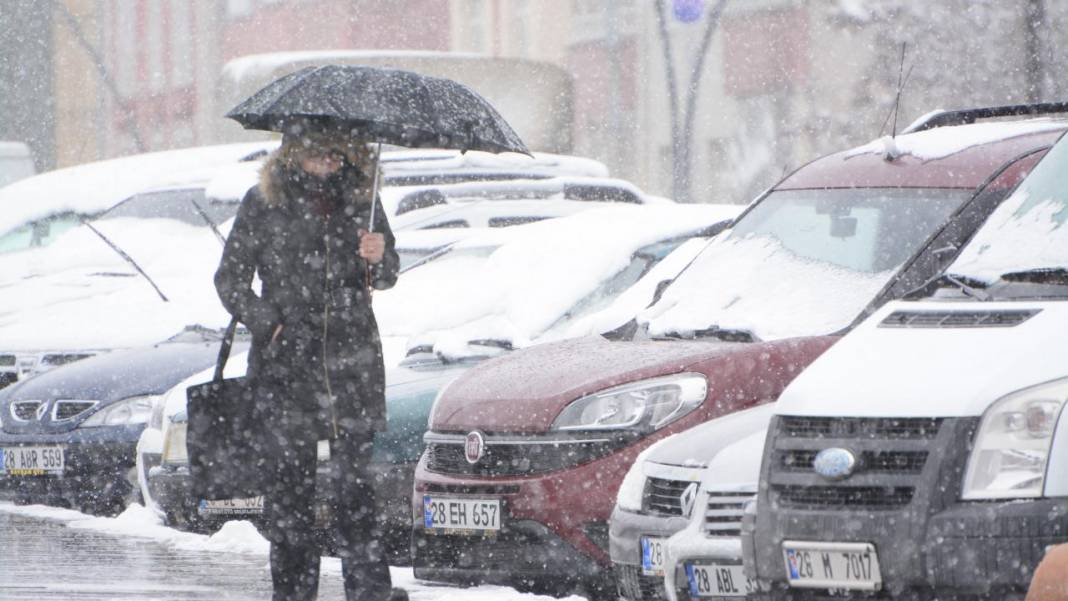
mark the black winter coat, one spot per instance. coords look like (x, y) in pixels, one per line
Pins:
(314, 284)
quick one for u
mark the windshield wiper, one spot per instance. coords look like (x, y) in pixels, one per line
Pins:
(126, 257)
(725, 334)
(968, 286)
(203, 215)
(1041, 275)
(492, 342)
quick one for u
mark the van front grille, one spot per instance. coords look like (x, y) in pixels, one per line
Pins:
(852, 427)
(844, 497)
(723, 513)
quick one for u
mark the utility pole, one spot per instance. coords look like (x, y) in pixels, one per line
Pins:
(682, 122)
(1034, 19)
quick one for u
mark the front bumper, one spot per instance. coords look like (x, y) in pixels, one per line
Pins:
(625, 531)
(96, 460)
(169, 485)
(930, 545)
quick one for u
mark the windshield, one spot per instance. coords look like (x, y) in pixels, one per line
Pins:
(1027, 232)
(802, 262)
(179, 205)
(37, 233)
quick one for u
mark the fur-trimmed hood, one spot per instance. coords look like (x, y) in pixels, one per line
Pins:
(287, 157)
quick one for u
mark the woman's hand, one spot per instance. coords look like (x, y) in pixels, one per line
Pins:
(372, 246)
(277, 331)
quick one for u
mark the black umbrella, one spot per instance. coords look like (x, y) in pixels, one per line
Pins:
(390, 106)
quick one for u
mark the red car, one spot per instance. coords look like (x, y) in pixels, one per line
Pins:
(525, 453)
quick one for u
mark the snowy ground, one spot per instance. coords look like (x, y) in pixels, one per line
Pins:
(52, 553)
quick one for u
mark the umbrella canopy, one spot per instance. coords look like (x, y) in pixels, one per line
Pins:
(390, 106)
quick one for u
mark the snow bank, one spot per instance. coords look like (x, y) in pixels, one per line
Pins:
(94, 187)
(753, 283)
(941, 142)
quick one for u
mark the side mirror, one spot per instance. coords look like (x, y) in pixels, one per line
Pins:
(843, 227)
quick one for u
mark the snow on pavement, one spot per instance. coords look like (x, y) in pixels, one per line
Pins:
(236, 538)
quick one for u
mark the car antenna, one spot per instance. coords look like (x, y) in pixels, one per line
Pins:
(901, 83)
(125, 257)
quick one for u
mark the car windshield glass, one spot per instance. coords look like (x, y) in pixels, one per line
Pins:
(1026, 238)
(802, 262)
(173, 204)
(37, 233)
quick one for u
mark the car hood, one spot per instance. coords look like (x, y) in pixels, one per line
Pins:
(697, 446)
(112, 377)
(930, 369)
(525, 390)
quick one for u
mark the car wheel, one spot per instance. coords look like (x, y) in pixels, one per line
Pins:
(145, 462)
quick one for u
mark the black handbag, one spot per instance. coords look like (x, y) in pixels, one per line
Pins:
(226, 434)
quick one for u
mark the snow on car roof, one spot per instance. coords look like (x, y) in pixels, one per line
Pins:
(941, 142)
(94, 187)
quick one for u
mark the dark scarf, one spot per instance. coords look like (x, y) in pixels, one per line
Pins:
(323, 196)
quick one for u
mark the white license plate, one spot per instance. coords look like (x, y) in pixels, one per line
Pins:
(718, 580)
(851, 566)
(31, 461)
(247, 506)
(653, 555)
(461, 515)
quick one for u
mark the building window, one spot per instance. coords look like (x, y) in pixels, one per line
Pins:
(235, 9)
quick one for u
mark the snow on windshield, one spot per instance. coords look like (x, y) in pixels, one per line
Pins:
(1028, 230)
(94, 187)
(802, 262)
(942, 142)
(514, 283)
(78, 293)
(757, 285)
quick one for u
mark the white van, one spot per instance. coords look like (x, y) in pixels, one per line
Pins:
(16, 162)
(926, 454)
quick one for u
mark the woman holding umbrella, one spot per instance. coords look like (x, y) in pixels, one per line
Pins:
(308, 231)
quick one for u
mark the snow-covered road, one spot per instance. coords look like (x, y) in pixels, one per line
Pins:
(55, 554)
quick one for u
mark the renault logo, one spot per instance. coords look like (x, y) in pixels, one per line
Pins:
(474, 447)
(835, 463)
(687, 499)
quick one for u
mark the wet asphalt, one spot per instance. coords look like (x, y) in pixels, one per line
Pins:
(44, 560)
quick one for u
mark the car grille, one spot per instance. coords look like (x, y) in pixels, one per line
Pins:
(67, 410)
(957, 319)
(845, 427)
(635, 586)
(515, 458)
(664, 497)
(723, 514)
(891, 458)
(844, 497)
(26, 411)
(883, 462)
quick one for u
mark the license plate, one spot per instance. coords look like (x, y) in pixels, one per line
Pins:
(247, 506)
(718, 580)
(461, 515)
(851, 566)
(653, 555)
(31, 461)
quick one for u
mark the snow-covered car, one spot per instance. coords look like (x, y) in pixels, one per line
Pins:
(507, 203)
(68, 436)
(16, 162)
(678, 513)
(926, 455)
(35, 210)
(552, 429)
(476, 300)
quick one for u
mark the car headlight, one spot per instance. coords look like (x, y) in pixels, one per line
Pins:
(174, 450)
(1012, 446)
(135, 410)
(645, 405)
(632, 490)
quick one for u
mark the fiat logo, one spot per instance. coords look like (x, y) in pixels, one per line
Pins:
(474, 447)
(835, 463)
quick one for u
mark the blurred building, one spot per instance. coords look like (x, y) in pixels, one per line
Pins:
(780, 81)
